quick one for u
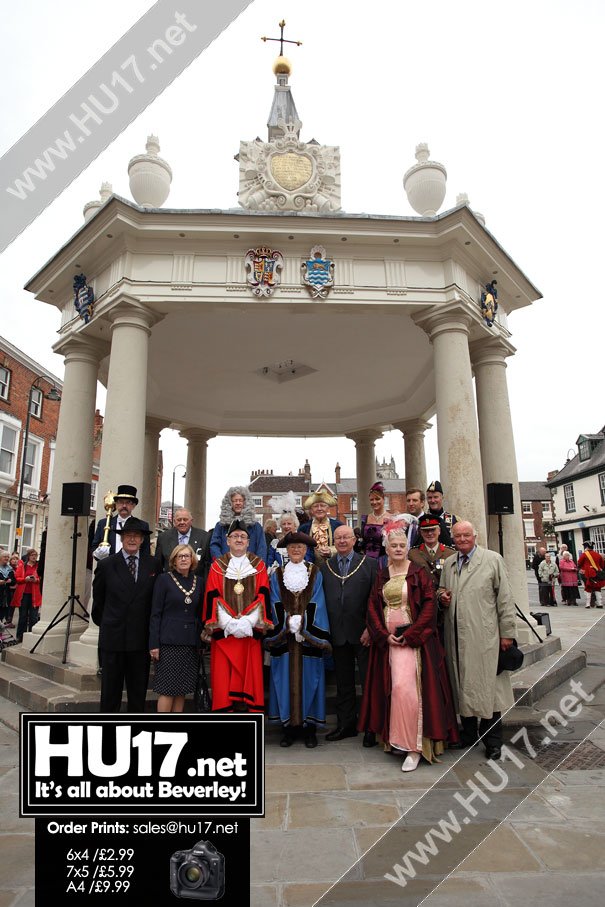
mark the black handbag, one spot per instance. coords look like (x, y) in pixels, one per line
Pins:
(511, 659)
(203, 698)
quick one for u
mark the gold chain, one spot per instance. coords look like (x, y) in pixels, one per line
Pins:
(343, 579)
(187, 594)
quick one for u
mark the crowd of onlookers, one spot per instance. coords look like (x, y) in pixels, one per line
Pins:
(20, 587)
(554, 568)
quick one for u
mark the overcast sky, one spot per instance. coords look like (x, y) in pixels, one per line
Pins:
(508, 96)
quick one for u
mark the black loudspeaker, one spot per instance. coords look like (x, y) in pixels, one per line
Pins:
(500, 498)
(75, 500)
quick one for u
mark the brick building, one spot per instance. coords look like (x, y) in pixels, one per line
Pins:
(264, 485)
(18, 375)
(350, 508)
(536, 506)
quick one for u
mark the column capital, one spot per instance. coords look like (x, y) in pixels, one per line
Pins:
(155, 425)
(364, 436)
(197, 434)
(128, 310)
(82, 348)
(494, 352)
(413, 426)
(456, 317)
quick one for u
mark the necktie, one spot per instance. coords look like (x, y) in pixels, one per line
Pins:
(132, 565)
(463, 561)
(344, 566)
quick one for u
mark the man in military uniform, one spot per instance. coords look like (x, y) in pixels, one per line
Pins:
(431, 555)
(434, 496)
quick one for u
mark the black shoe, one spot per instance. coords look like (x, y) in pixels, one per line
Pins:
(310, 737)
(493, 752)
(369, 739)
(465, 741)
(288, 738)
(341, 732)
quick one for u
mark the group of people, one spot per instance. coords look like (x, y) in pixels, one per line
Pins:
(550, 567)
(411, 604)
(20, 587)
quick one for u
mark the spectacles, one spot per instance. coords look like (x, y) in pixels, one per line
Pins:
(180, 557)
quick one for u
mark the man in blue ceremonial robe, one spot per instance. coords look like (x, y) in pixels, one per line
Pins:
(297, 644)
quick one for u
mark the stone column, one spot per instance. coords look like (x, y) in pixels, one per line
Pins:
(457, 431)
(366, 465)
(148, 506)
(73, 463)
(124, 425)
(195, 483)
(498, 458)
(415, 464)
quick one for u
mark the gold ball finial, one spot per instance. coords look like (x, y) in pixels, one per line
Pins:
(282, 66)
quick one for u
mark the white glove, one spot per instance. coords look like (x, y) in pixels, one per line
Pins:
(294, 623)
(245, 625)
(101, 552)
(230, 627)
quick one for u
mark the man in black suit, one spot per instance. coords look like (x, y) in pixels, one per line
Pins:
(122, 590)
(183, 532)
(348, 578)
(125, 500)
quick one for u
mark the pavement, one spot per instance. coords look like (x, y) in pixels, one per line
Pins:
(326, 808)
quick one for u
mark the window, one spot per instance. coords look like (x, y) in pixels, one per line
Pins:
(526, 506)
(298, 500)
(531, 552)
(602, 486)
(529, 529)
(257, 500)
(33, 460)
(5, 381)
(570, 500)
(36, 404)
(386, 502)
(29, 531)
(546, 507)
(584, 450)
(6, 528)
(8, 446)
(353, 502)
(597, 537)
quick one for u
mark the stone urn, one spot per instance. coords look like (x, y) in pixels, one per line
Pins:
(424, 183)
(91, 208)
(150, 176)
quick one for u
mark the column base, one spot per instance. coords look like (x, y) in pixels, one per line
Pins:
(54, 641)
(85, 652)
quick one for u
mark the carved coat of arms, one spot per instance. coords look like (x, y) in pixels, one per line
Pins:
(318, 273)
(264, 266)
(489, 302)
(84, 298)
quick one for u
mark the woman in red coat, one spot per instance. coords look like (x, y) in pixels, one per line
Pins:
(407, 697)
(27, 597)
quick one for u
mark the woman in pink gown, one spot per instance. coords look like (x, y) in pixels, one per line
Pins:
(407, 697)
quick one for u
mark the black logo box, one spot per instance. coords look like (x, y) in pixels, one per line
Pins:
(121, 765)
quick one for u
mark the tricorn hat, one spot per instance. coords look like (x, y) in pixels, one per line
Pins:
(126, 491)
(237, 526)
(134, 524)
(320, 497)
(296, 538)
(436, 486)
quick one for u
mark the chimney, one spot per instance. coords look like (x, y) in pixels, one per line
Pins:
(307, 471)
(337, 472)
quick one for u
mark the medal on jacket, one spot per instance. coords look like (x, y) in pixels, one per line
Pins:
(238, 588)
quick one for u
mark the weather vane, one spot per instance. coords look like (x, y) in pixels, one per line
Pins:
(281, 39)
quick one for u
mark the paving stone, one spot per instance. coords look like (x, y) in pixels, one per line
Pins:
(15, 870)
(324, 753)
(305, 777)
(501, 852)
(275, 812)
(565, 848)
(302, 895)
(369, 894)
(550, 889)
(389, 776)
(536, 808)
(467, 892)
(289, 856)
(576, 802)
(338, 811)
(593, 778)
(264, 896)
(26, 899)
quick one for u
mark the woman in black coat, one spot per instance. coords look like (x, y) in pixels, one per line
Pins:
(174, 629)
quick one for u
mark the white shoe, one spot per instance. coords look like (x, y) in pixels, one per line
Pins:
(410, 762)
(587, 607)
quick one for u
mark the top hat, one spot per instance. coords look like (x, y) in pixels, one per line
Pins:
(126, 491)
(134, 524)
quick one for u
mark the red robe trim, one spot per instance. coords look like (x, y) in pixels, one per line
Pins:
(439, 718)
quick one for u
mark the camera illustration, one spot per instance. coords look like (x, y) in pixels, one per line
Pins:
(198, 873)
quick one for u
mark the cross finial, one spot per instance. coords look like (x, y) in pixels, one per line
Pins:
(281, 38)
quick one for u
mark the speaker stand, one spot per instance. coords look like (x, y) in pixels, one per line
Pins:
(500, 536)
(71, 600)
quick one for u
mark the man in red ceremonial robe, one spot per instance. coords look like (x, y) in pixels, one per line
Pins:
(236, 617)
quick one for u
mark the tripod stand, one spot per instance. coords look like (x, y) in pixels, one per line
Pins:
(71, 600)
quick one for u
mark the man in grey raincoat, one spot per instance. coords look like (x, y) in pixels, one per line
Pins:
(479, 622)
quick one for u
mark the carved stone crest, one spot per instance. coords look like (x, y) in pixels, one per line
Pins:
(264, 266)
(318, 273)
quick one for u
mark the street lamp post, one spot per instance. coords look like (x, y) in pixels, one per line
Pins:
(53, 394)
(178, 466)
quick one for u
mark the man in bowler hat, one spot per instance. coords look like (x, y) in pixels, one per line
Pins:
(122, 591)
(125, 500)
